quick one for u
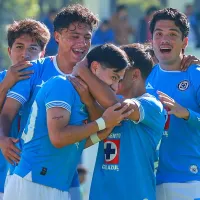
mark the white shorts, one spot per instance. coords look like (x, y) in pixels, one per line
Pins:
(18, 188)
(178, 191)
(1, 196)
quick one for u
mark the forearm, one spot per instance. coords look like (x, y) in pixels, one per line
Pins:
(72, 134)
(99, 90)
(194, 119)
(101, 135)
(3, 93)
(95, 110)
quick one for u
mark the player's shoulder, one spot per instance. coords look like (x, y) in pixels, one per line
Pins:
(41, 63)
(60, 82)
(194, 69)
(194, 74)
(149, 101)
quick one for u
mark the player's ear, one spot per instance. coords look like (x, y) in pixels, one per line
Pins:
(9, 51)
(136, 74)
(42, 53)
(94, 67)
(185, 42)
(57, 36)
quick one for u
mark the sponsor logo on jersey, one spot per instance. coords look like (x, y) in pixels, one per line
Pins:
(183, 85)
(111, 151)
(194, 169)
(149, 86)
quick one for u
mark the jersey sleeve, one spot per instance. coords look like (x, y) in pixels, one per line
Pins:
(2, 75)
(21, 90)
(61, 93)
(151, 112)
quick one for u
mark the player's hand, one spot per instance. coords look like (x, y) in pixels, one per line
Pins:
(80, 67)
(83, 90)
(187, 61)
(104, 133)
(113, 115)
(9, 150)
(173, 107)
(15, 73)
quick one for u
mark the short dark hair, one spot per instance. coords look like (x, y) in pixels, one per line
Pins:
(179, 19)
(74, 13)
(121, 7)
(33, 28)
(139, 59)
(110, 56)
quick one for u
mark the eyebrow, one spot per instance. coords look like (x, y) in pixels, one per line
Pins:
(76, 33)
(171, 29)
(33, 45)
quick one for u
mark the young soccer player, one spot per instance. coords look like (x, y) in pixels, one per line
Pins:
(178, 175)
(26, 41)
(125, 160)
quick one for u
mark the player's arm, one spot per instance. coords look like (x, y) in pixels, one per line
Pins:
(62, 134)
(94, 109)
(192, 117)
(97, 137)
(107, 97)
(16, 97)
(13, 75)
(7, 144)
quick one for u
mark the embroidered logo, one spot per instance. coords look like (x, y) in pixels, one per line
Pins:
(183, 85)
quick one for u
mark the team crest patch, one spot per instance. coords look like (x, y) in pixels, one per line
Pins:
(183, 85)
(194, 169)
(111, 151)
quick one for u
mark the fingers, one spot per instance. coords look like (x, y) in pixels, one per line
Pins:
(163, 95)
(168, 104)
(117, 105)
(167, 99)
(26, 72)
(123, 109)
(187, 61)
(15, 149)
(126, 114)
(81, 82)
(22, 65)
(75, 83)
(23, 77)
(13, 156)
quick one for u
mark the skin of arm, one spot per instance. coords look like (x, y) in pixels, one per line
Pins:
(62, 134)
(107, 97)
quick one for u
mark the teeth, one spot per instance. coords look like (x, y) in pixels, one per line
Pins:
(165, 48)
(78, 50)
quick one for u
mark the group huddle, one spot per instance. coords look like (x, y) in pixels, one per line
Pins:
(143, 113)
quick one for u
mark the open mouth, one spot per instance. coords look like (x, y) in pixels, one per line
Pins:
(78, 52)
(165, 50)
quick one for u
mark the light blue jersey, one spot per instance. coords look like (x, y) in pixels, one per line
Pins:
(13, 133)
(25, 91)
(124, 166)
(40, 161)
(180, 148)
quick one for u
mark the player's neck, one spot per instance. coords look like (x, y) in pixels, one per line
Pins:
(63, 64)
(136, 91)
(175, 66)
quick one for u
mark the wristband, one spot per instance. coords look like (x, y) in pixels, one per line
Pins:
(94, 138)
(101, 123)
